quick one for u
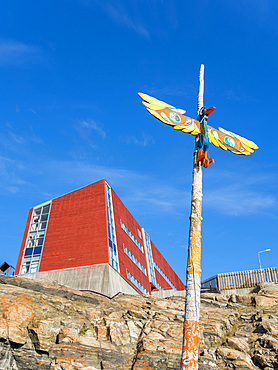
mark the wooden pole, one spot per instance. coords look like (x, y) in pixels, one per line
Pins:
(190, 346)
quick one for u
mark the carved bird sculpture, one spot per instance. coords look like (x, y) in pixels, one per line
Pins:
(220, 137)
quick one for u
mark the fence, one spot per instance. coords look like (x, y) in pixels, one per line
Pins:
(241, 279)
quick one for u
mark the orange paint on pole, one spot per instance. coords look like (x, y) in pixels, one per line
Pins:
(190, 349)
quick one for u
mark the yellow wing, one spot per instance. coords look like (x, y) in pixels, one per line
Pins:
(175, 118)
(170, 115)
(230, 141)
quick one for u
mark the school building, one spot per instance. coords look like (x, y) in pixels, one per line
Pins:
(88, 240)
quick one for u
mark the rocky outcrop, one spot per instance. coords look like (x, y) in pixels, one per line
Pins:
(44, 325)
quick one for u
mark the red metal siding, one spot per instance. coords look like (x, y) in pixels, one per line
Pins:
(20, 255)
(161, 281)
(166, 268)
(122, 213)
(77, 230)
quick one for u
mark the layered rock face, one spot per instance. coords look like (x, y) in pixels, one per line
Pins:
(44, 325)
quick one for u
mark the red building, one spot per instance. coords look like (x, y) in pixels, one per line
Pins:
(88, 227)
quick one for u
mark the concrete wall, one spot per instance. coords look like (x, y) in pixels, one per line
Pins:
(238, 291)
(98, 278)
(168, 293)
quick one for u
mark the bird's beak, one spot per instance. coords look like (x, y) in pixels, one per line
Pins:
(209, 110)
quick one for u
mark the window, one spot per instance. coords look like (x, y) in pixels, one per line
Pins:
(112, 244)
(149, 255)
(134, 260)
(35, 239)
(164, 276)
(136, 283)
(132, 237)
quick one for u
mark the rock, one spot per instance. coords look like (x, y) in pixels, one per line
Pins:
(261, 301)
(232, 298)
(268, 290)
(48, 326)
(262, 360)
(210, 296)
(221, 298)
(245, 299)
(239, 344)
(239, 359)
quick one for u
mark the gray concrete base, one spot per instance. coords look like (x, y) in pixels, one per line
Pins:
(168, 293)
(102, 279)
(242, 291)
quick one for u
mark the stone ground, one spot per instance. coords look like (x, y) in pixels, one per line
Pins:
(44, 325)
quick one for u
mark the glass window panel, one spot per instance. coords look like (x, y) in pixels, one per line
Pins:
(34, 268)
(33, 227)
(44, 217)
(31, 242)
(132, 237)
(109, 232)
(45, 209)
(37, 250)
(27, 267)
(42, 225)
(28, 251)
(26, 259)
(40, 241)
(37, 211)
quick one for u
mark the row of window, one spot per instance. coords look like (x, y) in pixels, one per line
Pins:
(30, 264)
(149, 257)
(164, 276)
(134, 260)
(113, 254)
(136, 283)
(31, 251)
(35, 239)
(132, 237)
(42, 210)
(40, 226)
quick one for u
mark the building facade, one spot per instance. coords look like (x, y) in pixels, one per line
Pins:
(88, 227)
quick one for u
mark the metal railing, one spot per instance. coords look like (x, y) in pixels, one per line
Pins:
(240, 279)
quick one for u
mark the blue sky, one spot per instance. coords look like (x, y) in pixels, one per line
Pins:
(70, 115)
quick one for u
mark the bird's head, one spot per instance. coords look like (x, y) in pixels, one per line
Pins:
(202, 112)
